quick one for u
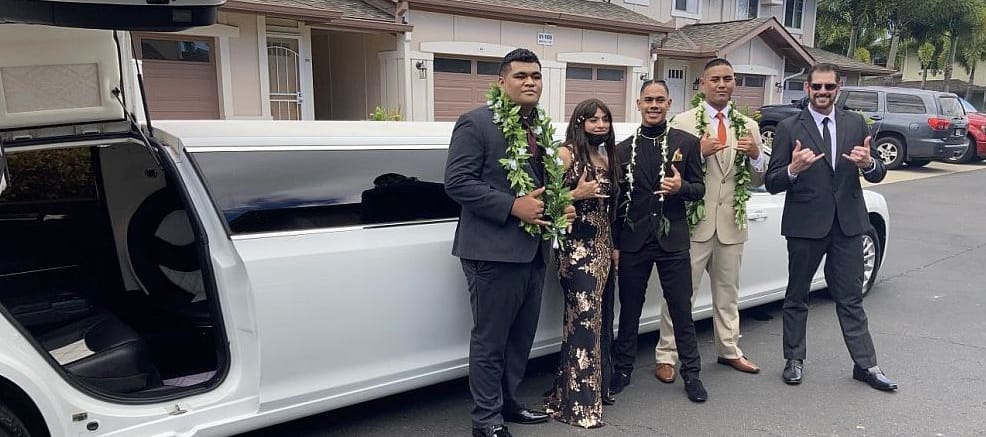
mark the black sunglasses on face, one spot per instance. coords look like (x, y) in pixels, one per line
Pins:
(828, 86)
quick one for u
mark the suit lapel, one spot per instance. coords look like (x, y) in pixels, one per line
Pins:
(808, 124)
(842, 122)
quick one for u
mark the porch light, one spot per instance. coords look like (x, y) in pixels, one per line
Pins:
(695, 85)
(422, 70)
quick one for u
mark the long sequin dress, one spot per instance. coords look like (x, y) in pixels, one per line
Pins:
(584, 267)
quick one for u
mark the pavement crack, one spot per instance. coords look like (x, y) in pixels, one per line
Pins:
(626, 428)
(936, 339)
(933, 263)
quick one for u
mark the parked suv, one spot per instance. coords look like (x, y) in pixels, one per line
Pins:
(909, 126)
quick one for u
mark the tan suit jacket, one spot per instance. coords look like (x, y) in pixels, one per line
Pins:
(720, 181)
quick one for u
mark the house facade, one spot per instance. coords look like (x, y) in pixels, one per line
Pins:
(911, 76)
(434, 59)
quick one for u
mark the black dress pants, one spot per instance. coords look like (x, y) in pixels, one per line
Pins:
(844, 275)
(506, 302)
(674, 272)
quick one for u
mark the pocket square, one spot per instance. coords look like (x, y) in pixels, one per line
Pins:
(677, 157)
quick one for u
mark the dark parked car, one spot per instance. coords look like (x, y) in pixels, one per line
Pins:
(770, 115)
(909, 125)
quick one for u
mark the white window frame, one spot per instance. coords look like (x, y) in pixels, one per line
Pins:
(686, 14)
(746, 3)
(801, 25)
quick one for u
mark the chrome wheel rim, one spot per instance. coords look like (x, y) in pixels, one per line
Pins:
(869, 260)
(768, 140)
(888, 152)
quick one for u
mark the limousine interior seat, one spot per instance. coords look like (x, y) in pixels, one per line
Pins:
(103, 352)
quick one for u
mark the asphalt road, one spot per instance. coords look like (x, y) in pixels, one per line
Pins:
(927, 316)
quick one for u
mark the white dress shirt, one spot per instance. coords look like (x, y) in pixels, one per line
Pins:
(834, 146)
(713, 122)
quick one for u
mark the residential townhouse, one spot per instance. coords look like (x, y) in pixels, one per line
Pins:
(434, 59)
(911, 73)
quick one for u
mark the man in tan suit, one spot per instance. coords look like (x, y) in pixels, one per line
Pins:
(717, 240)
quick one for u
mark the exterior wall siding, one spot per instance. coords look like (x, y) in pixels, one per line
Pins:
(244, 62)
(438, 34)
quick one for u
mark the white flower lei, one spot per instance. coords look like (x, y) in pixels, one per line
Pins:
(696, 209)
(557, 197)
(665, 226)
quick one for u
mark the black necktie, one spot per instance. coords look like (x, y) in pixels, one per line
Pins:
(827, 138)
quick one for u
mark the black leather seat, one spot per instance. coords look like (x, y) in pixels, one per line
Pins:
(103, 352)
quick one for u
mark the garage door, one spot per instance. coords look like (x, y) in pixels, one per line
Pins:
(179, 77)
(749, 91)
(608, 84)
(461, 85)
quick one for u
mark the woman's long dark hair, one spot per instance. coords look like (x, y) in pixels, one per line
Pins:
(576, 137)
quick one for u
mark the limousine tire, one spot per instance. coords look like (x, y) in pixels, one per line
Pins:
(11, 425)
(872, 258)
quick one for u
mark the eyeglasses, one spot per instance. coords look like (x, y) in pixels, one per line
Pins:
(828, 86)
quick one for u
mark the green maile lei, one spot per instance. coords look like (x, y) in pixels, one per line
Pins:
(557, 197)
(696, 209)
(664, 226)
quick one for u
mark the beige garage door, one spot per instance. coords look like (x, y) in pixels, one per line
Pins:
(608, 84)
(461, 85)
(749, 91)
(179, 76)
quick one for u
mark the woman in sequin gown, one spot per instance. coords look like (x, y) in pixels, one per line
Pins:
(584, 264)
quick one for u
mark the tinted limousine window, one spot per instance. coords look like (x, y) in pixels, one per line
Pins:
(268, 191)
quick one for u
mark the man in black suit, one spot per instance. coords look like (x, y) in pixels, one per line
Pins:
(651, 228)
(818, 156)
(503, 264)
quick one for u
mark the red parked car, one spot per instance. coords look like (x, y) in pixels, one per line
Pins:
(976, 134)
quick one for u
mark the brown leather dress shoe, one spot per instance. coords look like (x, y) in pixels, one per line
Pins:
(664, 372)
(742, 364)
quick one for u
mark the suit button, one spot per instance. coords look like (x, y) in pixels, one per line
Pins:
(723, 181)
(653, 214)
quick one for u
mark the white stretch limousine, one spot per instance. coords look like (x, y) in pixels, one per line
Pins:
(212, 277)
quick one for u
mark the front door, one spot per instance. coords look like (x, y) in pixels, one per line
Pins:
(284, 71)
(675, 77)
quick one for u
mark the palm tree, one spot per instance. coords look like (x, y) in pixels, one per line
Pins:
(971, 51)
(957, 19)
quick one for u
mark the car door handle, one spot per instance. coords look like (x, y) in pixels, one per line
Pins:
(756, 216)
(876, 117)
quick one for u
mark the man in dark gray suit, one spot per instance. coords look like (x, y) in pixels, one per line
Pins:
(503, 264)
(817, 158)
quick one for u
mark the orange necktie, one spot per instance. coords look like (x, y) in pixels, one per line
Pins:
(722, 127)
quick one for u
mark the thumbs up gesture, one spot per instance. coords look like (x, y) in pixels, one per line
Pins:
(671, 185)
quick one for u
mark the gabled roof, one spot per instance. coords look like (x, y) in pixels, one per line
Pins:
(340, 13)
(718, 39)
(583, 14)
(846, 63)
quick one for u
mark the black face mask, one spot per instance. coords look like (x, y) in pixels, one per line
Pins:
(596, 139)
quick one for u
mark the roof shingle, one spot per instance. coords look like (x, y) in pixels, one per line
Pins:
(583, 8)
(847, 63)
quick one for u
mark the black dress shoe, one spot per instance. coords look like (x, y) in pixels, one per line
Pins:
(491, 431)
(524, 416)
(608, 398)
(621, 379)
(695, 390)
(874, 377)
(794, 371)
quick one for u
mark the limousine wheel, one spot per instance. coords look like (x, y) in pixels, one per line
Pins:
(11, 425)
(767, 137)
(871, 259)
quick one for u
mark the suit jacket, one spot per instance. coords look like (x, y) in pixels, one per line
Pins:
(475, 179)
(819, 195)
(720, 182)
(645, 207)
